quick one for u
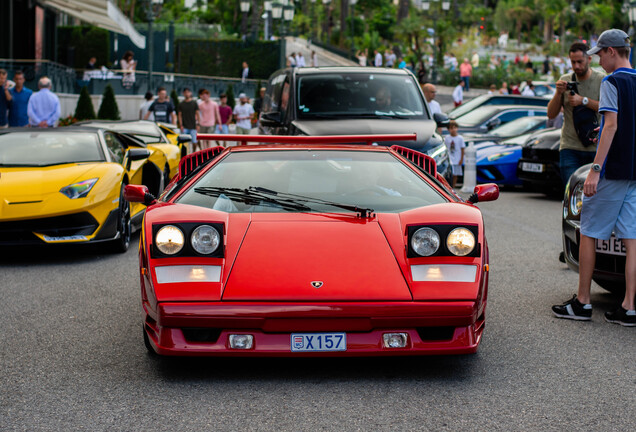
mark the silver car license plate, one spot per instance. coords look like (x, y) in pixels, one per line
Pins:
(310, 342)
(531, 167)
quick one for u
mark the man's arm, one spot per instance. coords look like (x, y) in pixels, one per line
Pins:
(151, 108)
(576, 100)
(7, 93)
(173, 117)
(180, 124)
(55, 115)
(610, 125)
(555, 104)
(33, 117)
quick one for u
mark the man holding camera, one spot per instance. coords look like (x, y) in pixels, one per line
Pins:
(578, 94)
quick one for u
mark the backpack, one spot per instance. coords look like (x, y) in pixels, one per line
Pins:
(585, 121)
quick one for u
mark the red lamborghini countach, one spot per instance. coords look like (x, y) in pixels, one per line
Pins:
(312, 246)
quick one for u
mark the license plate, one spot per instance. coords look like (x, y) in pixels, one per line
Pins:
(613, 246)
(531, 167)
(67, 238)
(304, 342)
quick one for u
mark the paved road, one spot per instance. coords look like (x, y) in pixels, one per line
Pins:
(72, 356)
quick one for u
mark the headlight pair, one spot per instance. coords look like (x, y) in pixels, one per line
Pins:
(204, 239)
(427, 241)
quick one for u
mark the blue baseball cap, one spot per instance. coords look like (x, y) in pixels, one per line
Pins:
(614, 38)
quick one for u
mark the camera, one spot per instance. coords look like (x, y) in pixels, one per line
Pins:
(573, 87)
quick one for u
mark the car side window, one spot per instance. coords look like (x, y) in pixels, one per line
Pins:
(284, 100)
(512, 115)
(115, 148)
(271, 103)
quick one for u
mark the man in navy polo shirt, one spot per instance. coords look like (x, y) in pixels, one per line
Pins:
(20, 95)
(609, 204)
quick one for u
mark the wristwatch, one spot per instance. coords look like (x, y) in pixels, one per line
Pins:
(585, 101)
(596, 168)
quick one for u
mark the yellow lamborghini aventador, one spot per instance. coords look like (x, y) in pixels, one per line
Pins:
(157, 136)
(66, 185)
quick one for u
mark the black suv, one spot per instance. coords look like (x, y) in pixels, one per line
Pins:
(352, 101)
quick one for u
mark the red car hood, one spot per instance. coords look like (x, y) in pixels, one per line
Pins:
(320, 260)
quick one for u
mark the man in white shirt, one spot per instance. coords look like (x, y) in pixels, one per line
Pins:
(245, 73)
(377, 62)
(300, 60)
(243, 114)
(429, 94)
(528, 90)
(458, 94)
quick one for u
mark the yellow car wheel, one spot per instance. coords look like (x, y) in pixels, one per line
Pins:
(124, 229)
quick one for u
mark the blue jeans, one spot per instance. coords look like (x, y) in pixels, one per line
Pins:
(571, 160)
(192, 133)
(467, 82)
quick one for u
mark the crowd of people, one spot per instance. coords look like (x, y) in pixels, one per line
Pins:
(20, 107)
(203, 115)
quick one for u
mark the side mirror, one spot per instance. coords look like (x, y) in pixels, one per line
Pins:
(484, 192)
(139, 194)
(441, 119)
(184, 138)
(493, 123)
(135, 154)
(270, 119)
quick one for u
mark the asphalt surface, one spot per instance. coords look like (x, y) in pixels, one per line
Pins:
(72, 356)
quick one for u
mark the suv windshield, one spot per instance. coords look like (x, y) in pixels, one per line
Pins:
(359, 94)
(372, 180)
(48, 148)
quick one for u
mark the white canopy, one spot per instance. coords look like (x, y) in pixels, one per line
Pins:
(101, 13)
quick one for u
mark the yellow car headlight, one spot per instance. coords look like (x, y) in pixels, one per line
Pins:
(79, 189)
(460, 242)
(169, 240)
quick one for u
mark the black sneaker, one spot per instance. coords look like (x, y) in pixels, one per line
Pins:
(619, 316)
(573, 309)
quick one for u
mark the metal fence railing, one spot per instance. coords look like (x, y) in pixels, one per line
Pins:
(68, 80)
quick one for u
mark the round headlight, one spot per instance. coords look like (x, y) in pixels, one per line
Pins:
(169, 240)
(460, 242)
(425, 241)
(576, 200)
(205, 239)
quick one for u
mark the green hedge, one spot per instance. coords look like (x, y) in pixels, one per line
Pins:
(483, 77)
(77, 44)
(225, 58)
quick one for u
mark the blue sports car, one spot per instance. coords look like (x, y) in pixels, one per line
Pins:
(497, 159)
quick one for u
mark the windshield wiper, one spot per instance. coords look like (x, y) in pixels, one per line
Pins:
(362, 212)
(250, 197)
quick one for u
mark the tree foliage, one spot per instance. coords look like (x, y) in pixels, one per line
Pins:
(84, 109)
(108, 110)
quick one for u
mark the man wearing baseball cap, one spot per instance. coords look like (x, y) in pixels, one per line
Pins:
(609, 204)
(243, 114)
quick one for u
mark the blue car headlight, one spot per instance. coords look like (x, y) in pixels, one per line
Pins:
(79, 189)
(497, 156)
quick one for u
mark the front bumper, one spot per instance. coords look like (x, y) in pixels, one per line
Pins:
(502, 174)
(203, 329)
(80, 227)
